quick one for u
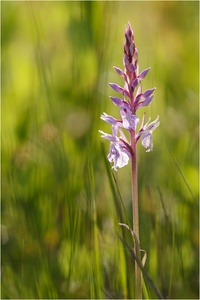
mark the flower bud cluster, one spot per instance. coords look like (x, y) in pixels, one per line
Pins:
(132, 99)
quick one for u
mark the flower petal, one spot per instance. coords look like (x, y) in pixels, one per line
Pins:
(147, 141)
(107, 136)
(114, 130)
(109, 119)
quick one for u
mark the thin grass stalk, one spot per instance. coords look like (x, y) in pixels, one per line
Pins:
(148, 278)
(135, 208)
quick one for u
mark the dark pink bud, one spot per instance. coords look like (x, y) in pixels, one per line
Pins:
(147, 93)
(146, 102)
(116, 101)
(131, 68)
(119, 89)
(135, 83)
(143, 73)
(119, 71)
(116, 87)
(137, 98)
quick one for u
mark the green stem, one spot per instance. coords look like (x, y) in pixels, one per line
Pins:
(138, 275)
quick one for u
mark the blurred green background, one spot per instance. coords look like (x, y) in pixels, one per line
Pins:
(60, 207)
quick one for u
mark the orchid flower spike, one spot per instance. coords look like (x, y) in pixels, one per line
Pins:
(132, 98)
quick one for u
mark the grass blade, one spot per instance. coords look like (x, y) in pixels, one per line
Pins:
(145, 274)
(182, 175)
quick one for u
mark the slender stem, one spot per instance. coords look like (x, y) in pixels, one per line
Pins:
(138, 275)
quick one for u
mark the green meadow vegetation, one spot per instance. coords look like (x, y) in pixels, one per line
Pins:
(61, 203)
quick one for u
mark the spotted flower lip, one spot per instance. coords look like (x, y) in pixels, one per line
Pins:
(128, 119)
(119, 153)
(118, 156)
(146, 133)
